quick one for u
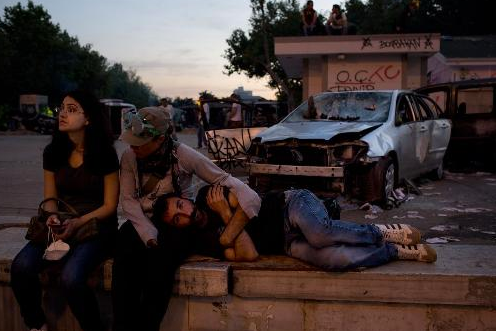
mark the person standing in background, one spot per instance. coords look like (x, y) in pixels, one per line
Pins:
(235, 116)
(167, 107)
(203, 118)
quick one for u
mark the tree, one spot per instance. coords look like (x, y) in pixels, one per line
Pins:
(207, 95)
(252, 53)
(448, 17)
(39, 58)
(181, 102)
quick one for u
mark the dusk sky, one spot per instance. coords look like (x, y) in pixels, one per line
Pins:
(174, 46)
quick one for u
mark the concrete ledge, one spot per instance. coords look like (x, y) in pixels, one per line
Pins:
(280, 293)
(463, 275)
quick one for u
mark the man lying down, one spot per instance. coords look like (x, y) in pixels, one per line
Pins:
(292, 222)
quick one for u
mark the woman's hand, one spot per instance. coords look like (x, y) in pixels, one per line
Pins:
(67, 229)
(53, 221)
(216, 200)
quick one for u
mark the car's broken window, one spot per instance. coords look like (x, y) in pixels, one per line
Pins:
(477, 100)
(344, 106)
(404, 111)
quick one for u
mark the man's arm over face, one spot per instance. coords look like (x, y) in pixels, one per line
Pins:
(240, 246)
(196, 163)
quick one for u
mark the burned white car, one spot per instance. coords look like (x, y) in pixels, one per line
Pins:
(359, 143)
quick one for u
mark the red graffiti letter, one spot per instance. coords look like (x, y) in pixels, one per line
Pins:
(376, 73)
(391, 76)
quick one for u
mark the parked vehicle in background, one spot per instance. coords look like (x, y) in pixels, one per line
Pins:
(470, 105)
(359, 143)
(116, 108)
(35, 115)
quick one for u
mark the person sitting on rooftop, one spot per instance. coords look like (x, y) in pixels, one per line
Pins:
(337, 23)
(309, 19)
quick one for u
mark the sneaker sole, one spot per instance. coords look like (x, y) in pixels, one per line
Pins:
(431, 255)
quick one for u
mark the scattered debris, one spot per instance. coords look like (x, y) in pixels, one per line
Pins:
(413, 214)
(412, 187)
(372, 209)
(365, 206)
(466, 210)
(445, 227)
(426, 187)
(481, 173)
(399, 217)
(441, 240)
(436, 241)
(473, 229)
(399, 195)
(431, 193)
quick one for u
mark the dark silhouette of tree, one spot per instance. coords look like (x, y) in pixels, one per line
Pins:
(38, 57)
(448, 17)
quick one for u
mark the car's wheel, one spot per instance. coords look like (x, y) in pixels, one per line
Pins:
(388, 179)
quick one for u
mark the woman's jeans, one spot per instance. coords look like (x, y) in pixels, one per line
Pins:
(78, 264)
(330, 244)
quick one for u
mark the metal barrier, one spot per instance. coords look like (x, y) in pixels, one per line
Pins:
(229, 147)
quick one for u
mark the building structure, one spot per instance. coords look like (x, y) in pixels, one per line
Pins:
(357, 62)
(463, 58)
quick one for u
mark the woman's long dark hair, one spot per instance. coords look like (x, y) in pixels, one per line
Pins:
(98, 138)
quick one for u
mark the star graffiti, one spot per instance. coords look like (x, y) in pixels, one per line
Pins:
(428, 42)
(366, 42)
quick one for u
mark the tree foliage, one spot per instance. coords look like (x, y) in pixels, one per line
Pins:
(207, 95)
(252, 52)
(38, 57)
(448, 17)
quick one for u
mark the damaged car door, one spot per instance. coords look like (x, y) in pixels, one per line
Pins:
(440, 131)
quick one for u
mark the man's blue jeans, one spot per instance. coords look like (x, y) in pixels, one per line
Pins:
(330, 244)
(81, 260)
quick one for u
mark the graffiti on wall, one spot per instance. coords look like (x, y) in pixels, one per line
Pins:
(466, 74)
(365, 78)
(406, 43)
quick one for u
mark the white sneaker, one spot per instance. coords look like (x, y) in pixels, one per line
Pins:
(44, 327)
(420, 252)
(399, 233)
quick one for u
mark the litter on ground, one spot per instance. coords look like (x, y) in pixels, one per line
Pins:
(445, 227)
(441, 240)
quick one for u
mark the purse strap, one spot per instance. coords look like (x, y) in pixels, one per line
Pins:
(60, 201)
(50, 235)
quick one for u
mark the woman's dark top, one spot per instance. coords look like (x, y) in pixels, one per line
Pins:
(80, 187)
(266, 230)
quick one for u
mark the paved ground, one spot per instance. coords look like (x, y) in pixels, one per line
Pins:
(460, 207)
